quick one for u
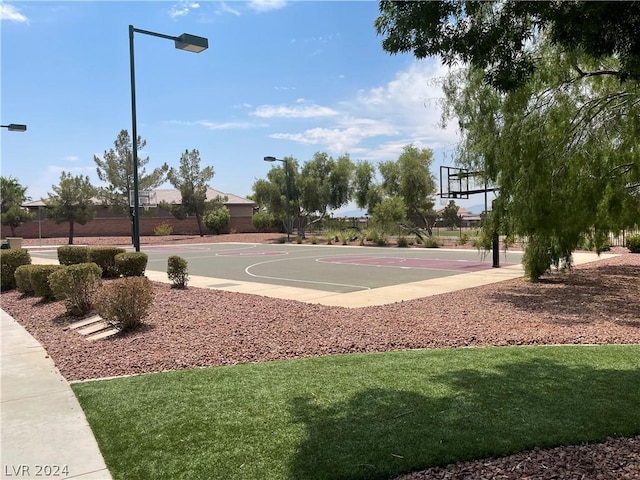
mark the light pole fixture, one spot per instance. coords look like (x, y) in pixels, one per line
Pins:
(286, 179)
(15, 127)
(190, 43)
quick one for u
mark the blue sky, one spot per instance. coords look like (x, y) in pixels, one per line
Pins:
(279, 78)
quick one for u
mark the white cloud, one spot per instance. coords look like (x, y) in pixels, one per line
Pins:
(182, 9)
(298, 111)
(214, 125)
(223, 7)
(71, 158)
(266, 5)
(12, 14)
(380, 121)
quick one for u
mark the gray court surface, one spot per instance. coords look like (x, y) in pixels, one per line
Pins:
(337, 269)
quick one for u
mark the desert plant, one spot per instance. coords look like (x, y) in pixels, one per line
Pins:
(131, 264)
(329, 238)
(72, 254)
(124, 302)
(632, 242)
(281, 240)
(163, 229)
(10, 260)
(314, 241)
(177, 271)
(464, 239)
(345, 236)
(105, 258)
(75, 286)
(40, 280)
(23, 278)
(431, 242)
(298, 239)
(403, 242)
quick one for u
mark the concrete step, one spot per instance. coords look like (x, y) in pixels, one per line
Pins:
(103, 334)
(93, 328)
(85, 322)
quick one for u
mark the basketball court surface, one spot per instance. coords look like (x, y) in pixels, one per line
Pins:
(348, 276)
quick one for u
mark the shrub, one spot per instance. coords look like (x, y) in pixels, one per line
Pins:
(177, 271)
(73, 254)
(418, 240)
(105, 258)
(40, 280)
(314, 241)
(217, 219)
(329, 238)
(298, 239)
(124, 302)
(131, 264)
(345, 236)
(431, 242)
(23, 278)
(632, 242)
(262, 221)
(75, 286)
(403, 242)
(464, 239)
(10, 260)
(163, 229)
(380, 238)
(281, 240)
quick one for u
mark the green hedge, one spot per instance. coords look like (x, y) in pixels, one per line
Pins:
(40, 280)
(75, 286)
(131, 264)
(105, 258)
(23, 278)
(633, 243)
(73, 254)
(10, 260)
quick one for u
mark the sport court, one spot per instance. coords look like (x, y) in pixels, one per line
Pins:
(349, 276)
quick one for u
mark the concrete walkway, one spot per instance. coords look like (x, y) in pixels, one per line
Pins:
(44, 431)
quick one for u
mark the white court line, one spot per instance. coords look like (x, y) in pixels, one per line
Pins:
(295, 280)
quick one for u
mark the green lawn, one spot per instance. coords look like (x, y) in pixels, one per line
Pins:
(364, 415)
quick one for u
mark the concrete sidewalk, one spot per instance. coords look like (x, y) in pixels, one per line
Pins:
(44, 431)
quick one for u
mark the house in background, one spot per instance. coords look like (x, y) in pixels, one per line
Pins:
(109, 223)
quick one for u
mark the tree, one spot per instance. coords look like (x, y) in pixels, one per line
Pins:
(192, 181)
(325, 184)
(410, 179)
(450, 215)
(72, 201)
(270, 194)
(563, 153)
(13, 196)
(217, 218)
(389, 213)
(116, 169)
(496, 37)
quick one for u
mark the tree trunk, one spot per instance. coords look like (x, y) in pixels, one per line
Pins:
(70, 233)
(199, 220)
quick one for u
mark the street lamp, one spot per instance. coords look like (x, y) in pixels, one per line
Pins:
(190, 43)
(286, 179)
(15, 127)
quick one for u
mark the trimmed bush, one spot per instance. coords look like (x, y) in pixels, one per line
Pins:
(217, 219)
(177, 271)
(105, 258)
(73, 254)
(75, 285)
(124, 302)
(263, 221)
(23, 278)
(632, 242)
(163, 229)
(131, 264)
(431, 242)
(10, 260)
(40, 280)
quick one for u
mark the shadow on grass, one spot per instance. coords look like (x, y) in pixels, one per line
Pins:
(610, 290)
(380, 432)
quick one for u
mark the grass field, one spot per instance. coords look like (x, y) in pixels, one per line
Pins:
(363, 415)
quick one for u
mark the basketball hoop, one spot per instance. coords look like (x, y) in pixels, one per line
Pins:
(146, 199)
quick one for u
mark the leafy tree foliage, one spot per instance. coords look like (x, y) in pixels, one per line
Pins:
(270, 194)
(410, 179)
(496, 37)
(72, 201)
(217, 218)
(450, 216)
(389, 213)
(192, 181)
(12, 197)
(116, 169)
(564, 152)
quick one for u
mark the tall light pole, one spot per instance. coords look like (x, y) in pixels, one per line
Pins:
(286, 179)
(15, 127)
(190, 43)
